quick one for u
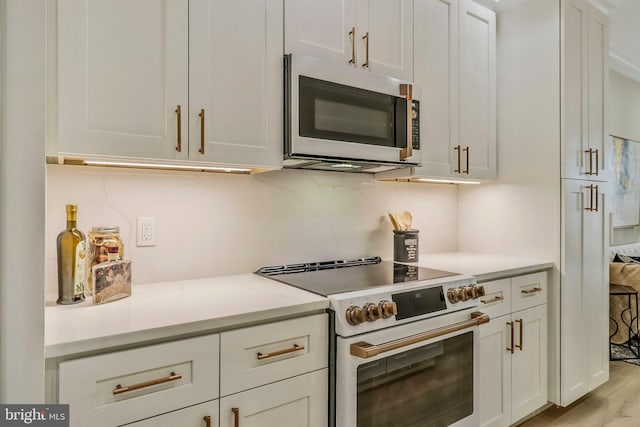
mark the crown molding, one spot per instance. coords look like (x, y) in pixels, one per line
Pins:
(604, 5)
(624, 64)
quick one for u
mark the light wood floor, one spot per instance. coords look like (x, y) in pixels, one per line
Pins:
(614, 404)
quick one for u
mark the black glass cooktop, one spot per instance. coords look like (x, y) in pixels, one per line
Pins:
(334, 277)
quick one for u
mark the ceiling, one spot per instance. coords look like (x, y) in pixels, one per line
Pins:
(624, 36)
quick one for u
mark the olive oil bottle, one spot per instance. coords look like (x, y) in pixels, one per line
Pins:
(72, 261)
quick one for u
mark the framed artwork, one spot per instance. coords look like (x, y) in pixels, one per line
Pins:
(625, 186)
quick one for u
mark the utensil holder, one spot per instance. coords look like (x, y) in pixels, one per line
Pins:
(405, 245)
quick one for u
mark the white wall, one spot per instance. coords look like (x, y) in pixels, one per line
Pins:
(216, 224)
(624, 121)
(624, 110)
(22, 200)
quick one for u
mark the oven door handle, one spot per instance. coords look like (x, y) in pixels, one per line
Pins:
(365, 350)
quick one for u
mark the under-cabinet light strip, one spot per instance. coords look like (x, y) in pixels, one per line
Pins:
(445, 181)
(165, 166)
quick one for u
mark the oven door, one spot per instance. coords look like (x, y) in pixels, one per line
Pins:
(424, 374)
(336, 111)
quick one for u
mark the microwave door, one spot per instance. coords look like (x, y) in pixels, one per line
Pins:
(334, 113)
(330, 111)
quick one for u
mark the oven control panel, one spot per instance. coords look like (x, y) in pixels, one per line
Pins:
(361, 312)
(464, 293)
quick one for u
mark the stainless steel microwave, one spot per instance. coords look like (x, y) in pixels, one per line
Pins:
(344, 119)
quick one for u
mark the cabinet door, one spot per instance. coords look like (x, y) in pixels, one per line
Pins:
(321, 28)
(529, 361)
(436, 70)
(203, 415)
(235, 82)
(598, 52)
(574, 83)
(583, 290)
(495, 373)
(477, 91)
(122, 71)
(386, 29)
(595, 289)
(297, 402)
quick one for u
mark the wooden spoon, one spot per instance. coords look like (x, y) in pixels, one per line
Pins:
(394, 221)
(407, 219)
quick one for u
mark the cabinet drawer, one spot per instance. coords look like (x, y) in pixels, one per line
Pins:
(130, 385)
(262, 354)
(193, 416)
(528, 290)
(496, 301)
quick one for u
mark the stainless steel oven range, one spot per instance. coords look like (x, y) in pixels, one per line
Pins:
(404, 341)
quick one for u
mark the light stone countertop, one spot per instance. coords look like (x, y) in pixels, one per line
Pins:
(168, 310)
(484, 267)
(161, 311)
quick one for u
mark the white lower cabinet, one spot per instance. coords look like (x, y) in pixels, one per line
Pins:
(275, 375)
(295, 402)
(513, 349)
(268, 375)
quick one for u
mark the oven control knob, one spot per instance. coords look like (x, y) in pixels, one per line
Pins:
(479, 291)
(451, 296)
(355, 315)
(458, 295)
(372, 311)
(468, 293)
(388, 309)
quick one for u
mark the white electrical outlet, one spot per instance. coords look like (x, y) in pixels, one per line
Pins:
(146, 231)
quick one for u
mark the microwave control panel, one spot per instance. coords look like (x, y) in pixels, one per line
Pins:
(415, 124)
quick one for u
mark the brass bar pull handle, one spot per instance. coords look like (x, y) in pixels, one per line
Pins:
(511, 348)
(466, 171)
(595, 187)
(201, 115)
(406, 90)
(364, 350)
(207, 421)
(179, 140)
(352, 34)
(521, 323)
(531, 291)
(295, 347)
(590, 153)
(236, 417)
(597, 162)
(590, 208)
(489, 301)
(172, 377)
(457, 148)
(366, 50)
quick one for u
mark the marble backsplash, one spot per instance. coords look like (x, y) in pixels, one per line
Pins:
(210, 224)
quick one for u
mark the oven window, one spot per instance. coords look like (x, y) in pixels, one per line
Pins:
(428, 386)
(337, 112)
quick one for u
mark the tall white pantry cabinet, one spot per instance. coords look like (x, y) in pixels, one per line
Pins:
(553, 74)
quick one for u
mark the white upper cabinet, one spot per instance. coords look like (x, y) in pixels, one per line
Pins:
(477, 91)
(375, 35)
(122, 72)
(133, 78)
(455, 64)
(436, 69)
(584, 44)
(236, 82)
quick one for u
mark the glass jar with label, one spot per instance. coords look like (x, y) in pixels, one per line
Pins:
(104, 246)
